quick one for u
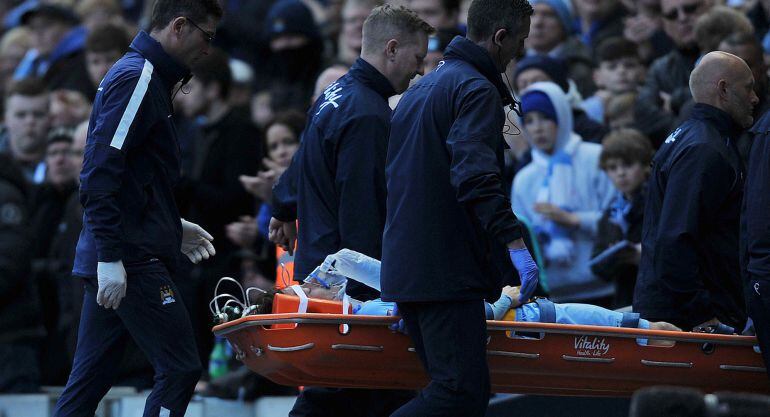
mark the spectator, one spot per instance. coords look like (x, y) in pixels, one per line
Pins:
(210, 192)
(328, 76)
(620, 71)
(47, 207)
(689, 271)
(26, 127)
(759, 14)
(97, 13)
(620, 111)
(295, 45)
(243, 80)
(354, 12)
(21, 331)
(13, 45)
(68, 108)
(441, 14)
(562, 193)
(551, 33)
(58, 57)
(665, 88)
(645, 29)
(718, 23)
(281, 142)
(626, 156)
(544, 68)
(104, 46)
(599, 20)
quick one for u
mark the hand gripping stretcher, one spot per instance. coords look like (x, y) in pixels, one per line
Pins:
(322, 347)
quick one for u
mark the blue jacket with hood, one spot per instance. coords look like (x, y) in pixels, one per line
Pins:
(336, 182)
(689, 271)
(131, 164)
(448, 215)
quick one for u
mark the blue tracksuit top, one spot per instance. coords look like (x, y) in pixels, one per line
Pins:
(448, 213)
(131, 163)
(755, 218)
(689, 270)
(339, 172)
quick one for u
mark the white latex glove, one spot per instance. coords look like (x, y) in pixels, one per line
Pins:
(196, 242)
(111, 277)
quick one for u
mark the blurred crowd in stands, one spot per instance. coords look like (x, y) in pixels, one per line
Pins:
(620, 69)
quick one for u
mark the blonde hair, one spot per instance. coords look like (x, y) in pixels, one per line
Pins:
(20, 36)
(388, 22)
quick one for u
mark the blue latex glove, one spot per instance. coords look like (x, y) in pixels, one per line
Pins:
(528, 272)
(400, 326)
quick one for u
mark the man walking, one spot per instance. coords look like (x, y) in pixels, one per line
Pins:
(132, 233)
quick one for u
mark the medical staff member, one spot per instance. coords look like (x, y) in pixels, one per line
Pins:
(132, 233)
(339, 175)
(755, 234)
(689, 273)
(450, 235)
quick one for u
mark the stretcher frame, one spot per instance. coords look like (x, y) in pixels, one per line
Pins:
(339, 350)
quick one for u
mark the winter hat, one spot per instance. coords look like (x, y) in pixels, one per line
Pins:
(290, 17)
(540, 102)
(563, 9)
(555, 68)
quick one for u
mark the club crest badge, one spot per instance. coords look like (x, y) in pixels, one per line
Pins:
(167, 295)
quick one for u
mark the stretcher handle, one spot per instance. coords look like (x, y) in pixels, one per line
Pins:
(628, 333)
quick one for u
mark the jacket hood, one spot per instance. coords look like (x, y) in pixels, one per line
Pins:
(561, 104)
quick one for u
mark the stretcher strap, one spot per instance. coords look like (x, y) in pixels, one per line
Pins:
(630, 320)
(547, 310)
(302, 298)
(345, 306)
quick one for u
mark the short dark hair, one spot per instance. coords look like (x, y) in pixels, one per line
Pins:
(293, 119)
(452, 6)
(108, 37)
(616, 48)
(164, 11)
(742, 39)
(215, 68)
(27, 87)
(628, 145)
(386, 22)
(485, 17)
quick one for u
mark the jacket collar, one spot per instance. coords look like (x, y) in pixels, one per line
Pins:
(370, 77)
(170, 70)
(718, 118)
(465, 50)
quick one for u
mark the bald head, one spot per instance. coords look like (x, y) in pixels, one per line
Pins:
(724, 81)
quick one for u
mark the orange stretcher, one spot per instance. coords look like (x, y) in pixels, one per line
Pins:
(326, 348)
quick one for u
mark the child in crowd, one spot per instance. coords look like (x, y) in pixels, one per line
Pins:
(625, 157)
(562, 193)
(620, 71)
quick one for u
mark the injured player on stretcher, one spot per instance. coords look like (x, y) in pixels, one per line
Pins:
(328, 281)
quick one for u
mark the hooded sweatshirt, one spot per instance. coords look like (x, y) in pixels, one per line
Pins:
(575, 184)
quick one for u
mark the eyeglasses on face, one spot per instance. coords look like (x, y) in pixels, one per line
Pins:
(208, 36)
(683, 11)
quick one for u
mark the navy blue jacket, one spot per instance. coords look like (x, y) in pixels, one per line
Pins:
(132, 163)
(449, 216)
(339, 172)
(755, 219)
(689, 271)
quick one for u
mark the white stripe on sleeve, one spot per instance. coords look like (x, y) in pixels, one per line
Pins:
(133, 106)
